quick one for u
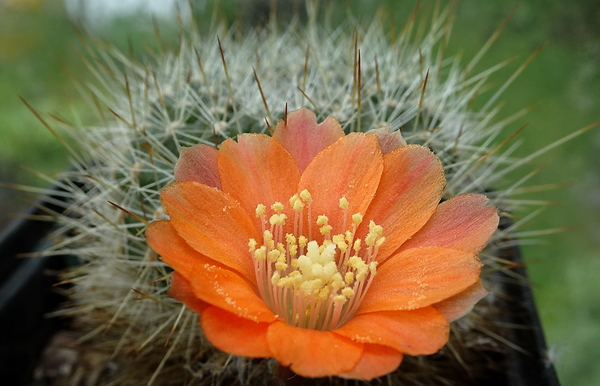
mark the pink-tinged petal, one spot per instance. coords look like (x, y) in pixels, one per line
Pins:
(350, 168)
(235, 335)
(388, 140)
(463, 222)
(312, 353)
(375, 361)
(459, 305)
(409, 192)
(198, 163)
(304, 138)
(418, 332)
(419, 277)
(200, 278)
(181, 290)
(212, 223)
(258, 170)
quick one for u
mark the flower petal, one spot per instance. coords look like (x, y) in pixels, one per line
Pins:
(460, 304)
(376, 361)
(198, 163)
(229, 291)
(200, 278)
(174, 251)
(350, 168)
(312, 353)
(258, 170)
(388, 140)
(417, 332)
(419, 277)
(235, 335)
(212, 223)
(409, 192)
(181, 290)
(304, 138)
(463, 222)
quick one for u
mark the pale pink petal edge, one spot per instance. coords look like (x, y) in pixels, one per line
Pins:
(462, 303)
(198, 163)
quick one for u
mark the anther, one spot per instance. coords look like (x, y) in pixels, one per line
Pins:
(302, 241)
(260, 254)
(322, 220)
(325, 229)
(252, 245)
(349, 278)
(273, 255)
(260, 210)
(277, 207)
(343, 203)
(305, 195)
(356, 245)
(348, 292)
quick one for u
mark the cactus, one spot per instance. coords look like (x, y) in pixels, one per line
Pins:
(214, 86)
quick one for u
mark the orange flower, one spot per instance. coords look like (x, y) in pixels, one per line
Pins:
(328, 252)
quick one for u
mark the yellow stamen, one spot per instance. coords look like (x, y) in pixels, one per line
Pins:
(302, 241)
(277, 207)
(260, 254)
(325, 229)
(260, 210)
(252, 245)
(343, 203)
(305, 195)
(349, 278)
(309, 283)
(322, 220)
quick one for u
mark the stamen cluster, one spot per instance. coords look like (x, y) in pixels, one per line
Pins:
(310, 283)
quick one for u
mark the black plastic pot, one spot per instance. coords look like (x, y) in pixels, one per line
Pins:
(531, 366)
(27, 295)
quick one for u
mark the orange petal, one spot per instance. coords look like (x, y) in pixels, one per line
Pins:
(182, 290)
(205, 279)
(227, 290)
(463, 222)
(409, 191)
(235, 335)
(303, 138)
(198, 163)
(212, 223)
(417, 332)
(388, 140)
(174, 251)
(376, 361)
(350, 168)
(459, 305)
(257, 170)
(419, 277)
(312, 353)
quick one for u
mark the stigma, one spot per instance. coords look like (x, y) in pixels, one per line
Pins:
(315, 280)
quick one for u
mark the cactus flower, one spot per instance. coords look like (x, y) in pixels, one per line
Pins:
(329, 252)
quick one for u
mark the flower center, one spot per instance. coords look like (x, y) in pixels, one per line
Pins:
(307, 283)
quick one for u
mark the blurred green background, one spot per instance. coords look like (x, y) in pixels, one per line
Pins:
(37, 61)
